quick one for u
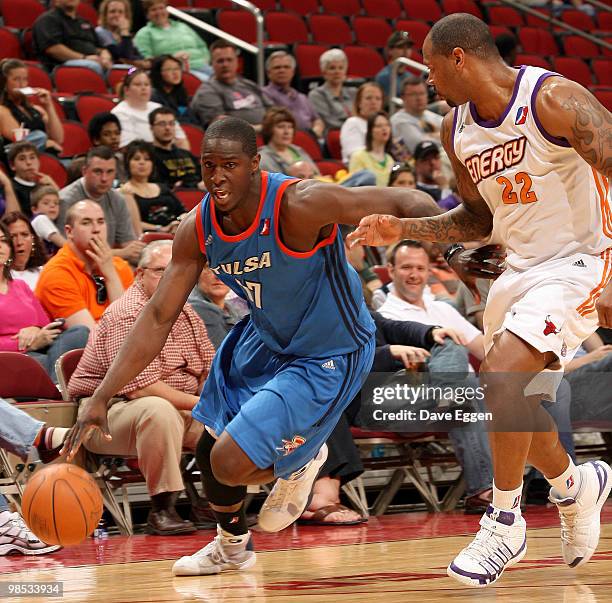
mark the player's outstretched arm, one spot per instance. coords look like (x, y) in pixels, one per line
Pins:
(148, 334)
(567, 110)
(471, 221)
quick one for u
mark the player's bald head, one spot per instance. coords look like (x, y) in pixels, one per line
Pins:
(461, 30)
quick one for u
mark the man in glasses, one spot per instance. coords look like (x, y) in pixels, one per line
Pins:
(151, 416)
(399, 45)
(84, 277)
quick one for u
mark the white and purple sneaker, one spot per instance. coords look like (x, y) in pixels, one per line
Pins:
(580, 515)
(500, 543)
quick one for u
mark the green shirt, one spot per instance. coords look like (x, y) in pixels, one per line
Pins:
(179, 37)
(363, 160)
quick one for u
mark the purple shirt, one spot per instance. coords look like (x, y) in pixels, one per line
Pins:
(295, 101)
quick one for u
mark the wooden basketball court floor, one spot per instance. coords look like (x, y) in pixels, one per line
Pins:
(395, 558)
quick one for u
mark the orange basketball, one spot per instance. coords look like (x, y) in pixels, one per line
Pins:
(61, 504)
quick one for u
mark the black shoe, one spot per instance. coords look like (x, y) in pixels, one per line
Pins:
(167, 522)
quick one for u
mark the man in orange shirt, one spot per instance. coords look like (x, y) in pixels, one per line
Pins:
(84, 277)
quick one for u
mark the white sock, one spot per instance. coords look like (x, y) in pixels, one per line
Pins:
(508, 500)
(567, 484)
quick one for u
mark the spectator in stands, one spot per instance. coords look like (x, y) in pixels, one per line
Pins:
(332, 100)
(210, 300)
(133, 111)
(168, 87)
(104, 129)
(173, 166)
(24, 160)
(34, 111)
(399, 45)
(279, 152)
(61, 37)
(375, 157)
(45, 210)
(507, 46)
(114, 33)
(158, 207)
(280, 67)
(368, 101)
(428, 170)
(24, 325)
(415, 123)
(96, 185)
(402, 176)
(8, 199)
(150, 417)
(84, 277)
(27, 438)
(226, 93)
(29, 251)
(161, 35)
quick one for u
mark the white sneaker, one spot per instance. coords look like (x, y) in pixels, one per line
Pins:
(226, 552)
(500, 543)
(289, 497)
(580, 515)
(15, 537)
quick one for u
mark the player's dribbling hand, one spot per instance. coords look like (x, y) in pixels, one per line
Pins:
(604, 308)
(92, 415)
(376, 229)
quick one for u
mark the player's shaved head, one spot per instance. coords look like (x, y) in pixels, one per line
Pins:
(233, 128)
(465, 31)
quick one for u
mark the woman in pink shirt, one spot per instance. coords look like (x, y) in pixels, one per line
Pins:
(24, 325)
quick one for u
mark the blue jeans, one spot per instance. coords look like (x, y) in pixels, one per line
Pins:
(70, 339)
(360, 178)
(18, 430)
(93, 65)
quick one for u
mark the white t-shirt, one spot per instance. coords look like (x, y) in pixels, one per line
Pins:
(29, 276)
(135, 123)
(352, 136)
(434, 313)
(43, 226)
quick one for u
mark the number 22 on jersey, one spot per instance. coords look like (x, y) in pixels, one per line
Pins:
(523, 183)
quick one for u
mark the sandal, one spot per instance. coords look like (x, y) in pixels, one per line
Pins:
(318, 518)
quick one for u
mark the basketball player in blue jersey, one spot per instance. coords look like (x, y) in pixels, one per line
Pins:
(284, 374)
(532, 155)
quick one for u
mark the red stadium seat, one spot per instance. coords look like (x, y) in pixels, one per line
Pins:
(605, 98)
(603, 71)
(333, 144)
(20, 14)
(307, 57)
(191, 82)
(371, 31)
(10, 48)
(195, 135)
(114, 77)
(604, 21)
(88, 12)
(418, 31)
(88, 105)
(578, 19)
(533, 21)
(330, 29)
(346, 8)
(579, 47)
(537, 41)
(505, 15)
(59, 108)
(423, 10)
(498, 30)
(329, 168)
(76, 139)
(211, 4)
(189, 197)
(38, 77)
(286, 28)
(238, 23)
(387, 9)
(76, 80)
(533, 60)
(265, 5)
(363, 61)
(461, 6)
(52, 166)
(308, 143)
(574, 69)
(301, 7)
(606, 51)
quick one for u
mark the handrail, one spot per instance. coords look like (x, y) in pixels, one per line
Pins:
(257, 50)
(600, 5)
(393, 85)
(526, 9)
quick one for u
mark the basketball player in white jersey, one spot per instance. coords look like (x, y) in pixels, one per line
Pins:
(532, 155)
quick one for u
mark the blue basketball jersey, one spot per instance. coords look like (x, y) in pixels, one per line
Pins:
(302, 303)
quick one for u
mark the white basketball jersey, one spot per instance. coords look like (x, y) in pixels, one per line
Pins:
(546, 201)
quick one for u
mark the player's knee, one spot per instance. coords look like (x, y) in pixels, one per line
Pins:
(225, 469)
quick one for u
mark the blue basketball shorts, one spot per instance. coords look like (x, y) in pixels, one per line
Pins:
(279, 409)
